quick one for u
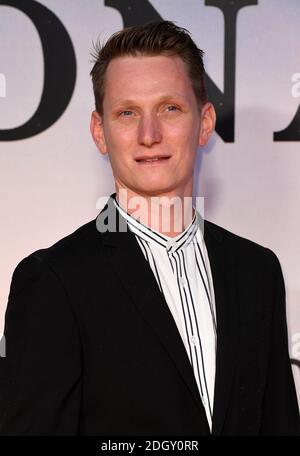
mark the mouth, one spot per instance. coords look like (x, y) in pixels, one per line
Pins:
(152, 160)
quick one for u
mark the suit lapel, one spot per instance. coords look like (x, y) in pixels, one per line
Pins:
(223, 272)
(137, 278)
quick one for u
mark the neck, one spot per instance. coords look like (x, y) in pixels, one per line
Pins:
(168, 214)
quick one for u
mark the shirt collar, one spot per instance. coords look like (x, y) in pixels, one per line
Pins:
(171, 244)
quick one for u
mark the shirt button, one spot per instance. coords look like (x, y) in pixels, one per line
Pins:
(194, 340)
(169, 244)
(204, 402)
(182, 281)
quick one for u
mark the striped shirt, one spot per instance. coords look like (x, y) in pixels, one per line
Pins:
(181, 268)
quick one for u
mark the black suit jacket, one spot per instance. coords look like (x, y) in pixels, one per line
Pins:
(92, 348)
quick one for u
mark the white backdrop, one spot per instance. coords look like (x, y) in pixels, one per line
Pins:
(50, 183)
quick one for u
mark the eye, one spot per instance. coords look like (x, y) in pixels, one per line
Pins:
(126, 113)
(171, 108)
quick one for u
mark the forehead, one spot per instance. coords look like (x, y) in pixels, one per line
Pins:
(145, 76)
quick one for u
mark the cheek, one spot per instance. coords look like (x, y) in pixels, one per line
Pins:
(186, 145)
(186, 150)
(118, 134)
(185, 135)
(119, 156)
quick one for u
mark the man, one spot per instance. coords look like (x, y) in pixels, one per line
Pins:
(135, 326)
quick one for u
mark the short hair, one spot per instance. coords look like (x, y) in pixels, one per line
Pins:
(150, 39)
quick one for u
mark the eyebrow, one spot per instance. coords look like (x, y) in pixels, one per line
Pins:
(161, 99)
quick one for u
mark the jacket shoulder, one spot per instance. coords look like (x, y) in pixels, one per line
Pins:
(241, 248)
(70, 252)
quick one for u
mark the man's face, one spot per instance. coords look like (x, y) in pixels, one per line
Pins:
(151, 125)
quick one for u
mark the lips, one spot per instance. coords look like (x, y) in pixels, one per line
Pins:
(154, 159)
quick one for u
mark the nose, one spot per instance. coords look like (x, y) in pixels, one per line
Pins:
(149, 131)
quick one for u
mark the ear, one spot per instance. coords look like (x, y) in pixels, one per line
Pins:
(208, 122)
(96, 127)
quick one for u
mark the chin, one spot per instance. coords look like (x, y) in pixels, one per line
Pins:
(155, 190)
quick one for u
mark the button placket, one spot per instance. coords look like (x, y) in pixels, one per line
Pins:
(194, 340)
(182, 281)
(171, 246)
